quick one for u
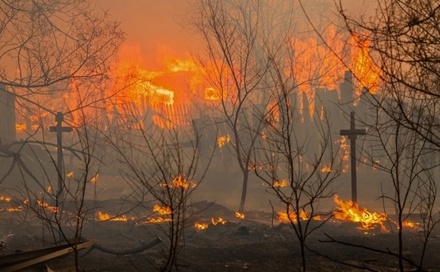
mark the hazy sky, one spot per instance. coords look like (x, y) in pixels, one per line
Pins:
(157, 26)
(153, 26)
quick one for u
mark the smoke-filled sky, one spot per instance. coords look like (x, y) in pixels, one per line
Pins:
(155, 27)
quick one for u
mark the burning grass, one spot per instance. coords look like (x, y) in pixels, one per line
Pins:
(349, 211)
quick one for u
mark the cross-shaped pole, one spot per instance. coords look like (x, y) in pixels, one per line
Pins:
(352, 135)
(59, 129)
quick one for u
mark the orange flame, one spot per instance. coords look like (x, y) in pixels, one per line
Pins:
(212, 94)
(364, 69)
(94, 179)
(200, 226)
(217, 221)
(5, 198)
(157, 220)
(222, 140)
(284, 218)
(239, 215)
(179, 182)
(326, 169)
(70, 174)
(161, 210)
(279, 184)
(101, 216)
(350, 211)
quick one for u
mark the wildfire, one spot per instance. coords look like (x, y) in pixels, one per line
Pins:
(70, 174)
(101, 216)
(46, 206)
(200, 226)
(217, 221)
(284, 218)
(350, 211)
(239, 215)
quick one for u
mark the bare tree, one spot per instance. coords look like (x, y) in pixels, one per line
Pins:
(237, 35)
(401, 36)
(54, 58)
(408, 159)
(299, 169)
(162, 166)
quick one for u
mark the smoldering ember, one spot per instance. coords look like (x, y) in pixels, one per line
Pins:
(219, 135)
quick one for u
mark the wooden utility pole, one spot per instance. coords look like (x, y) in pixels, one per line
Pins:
(59, 129)
(352, 134)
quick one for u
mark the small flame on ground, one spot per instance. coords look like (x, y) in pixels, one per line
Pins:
(326, 169)
(157, 220)
(179, 182)
(410, 225)
(5, 198)
(101, 216)
(279, 184)
(46, 206)
(217, 221)
(239, 215)
(200, 226)
(284, 218)
(162, 210)
(70, 174)
(15, 209)
(350, 211)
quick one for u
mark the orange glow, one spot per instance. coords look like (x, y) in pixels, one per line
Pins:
(70, 174)
(239, 215)
(350, 212)
(101, 216)
(200, 226)
(217, 221)
(284, 218)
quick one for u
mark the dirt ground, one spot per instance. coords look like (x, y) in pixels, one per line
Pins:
(256, 243)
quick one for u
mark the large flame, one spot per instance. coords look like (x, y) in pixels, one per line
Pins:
(364, 69)
(350, 211)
